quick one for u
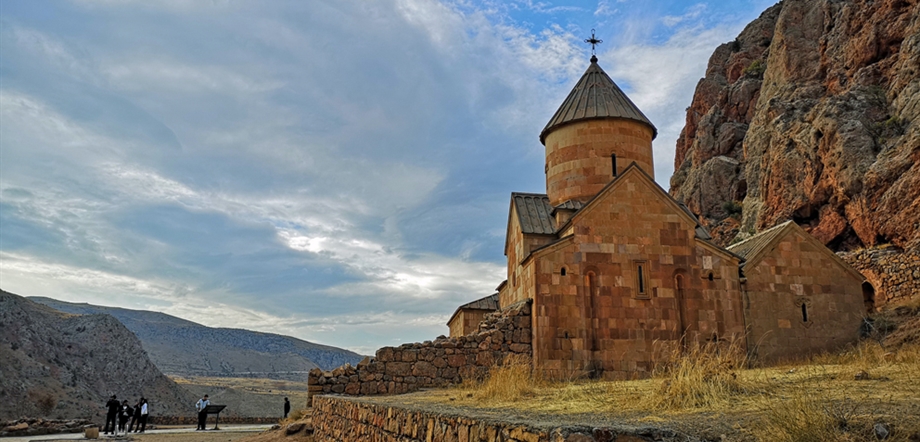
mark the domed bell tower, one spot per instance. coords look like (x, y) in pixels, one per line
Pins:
(596, 134)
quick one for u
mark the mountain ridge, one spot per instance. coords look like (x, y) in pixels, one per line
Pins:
(180, 347)
(65, 366)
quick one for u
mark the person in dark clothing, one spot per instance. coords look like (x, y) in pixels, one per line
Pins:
(202, 415)
(126, 413)
(287, 407)
(112, 407)
(143, 411)
(136, 416)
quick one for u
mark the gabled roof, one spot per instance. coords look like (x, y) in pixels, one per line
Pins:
(569, 205)
(488, 303)
(701, 232)
(756, 247)
(534, 213)
(750, 247)
(595, 96)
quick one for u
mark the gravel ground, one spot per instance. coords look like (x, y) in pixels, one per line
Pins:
(175, 434)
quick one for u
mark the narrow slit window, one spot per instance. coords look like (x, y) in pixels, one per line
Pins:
(804, 312)
(710, 276)
(613, 162)
(641, 279)
(562, 272)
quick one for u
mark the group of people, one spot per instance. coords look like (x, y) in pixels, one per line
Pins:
(118, 414)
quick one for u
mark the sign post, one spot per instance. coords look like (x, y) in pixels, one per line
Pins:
(214, 409)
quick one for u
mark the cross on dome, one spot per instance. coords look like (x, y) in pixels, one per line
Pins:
(594, 41)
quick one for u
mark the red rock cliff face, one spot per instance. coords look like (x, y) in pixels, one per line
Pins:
(811, 114)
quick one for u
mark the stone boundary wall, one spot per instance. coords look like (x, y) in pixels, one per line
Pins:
(440, 363)
(343, 419)
(894, 273)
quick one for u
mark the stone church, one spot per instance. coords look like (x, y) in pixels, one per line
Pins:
(618, 272)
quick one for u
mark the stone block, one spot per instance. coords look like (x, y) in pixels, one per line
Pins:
(456, 360)
(409, 356)
(398, 369)
(424, 369)
(385, 354)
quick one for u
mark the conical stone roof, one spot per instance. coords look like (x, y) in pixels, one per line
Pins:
(595, 96)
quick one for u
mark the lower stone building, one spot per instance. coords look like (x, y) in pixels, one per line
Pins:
(800, 298)
(467, 317)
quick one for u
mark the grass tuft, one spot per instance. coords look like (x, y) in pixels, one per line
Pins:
(511, 381)
(705, 375)
(293, 416)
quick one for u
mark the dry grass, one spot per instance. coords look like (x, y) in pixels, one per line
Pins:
(295, 416)
(814, 400)
(509, 382)
(703, 376)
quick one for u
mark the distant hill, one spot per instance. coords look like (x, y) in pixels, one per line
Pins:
(184, 348)
(62, 366)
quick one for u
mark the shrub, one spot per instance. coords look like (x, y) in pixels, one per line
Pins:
(45, 403)
(732, 209)
(755, 70)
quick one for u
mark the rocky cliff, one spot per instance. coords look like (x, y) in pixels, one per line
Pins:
(811, 114)
(184, 348)
(66, 366)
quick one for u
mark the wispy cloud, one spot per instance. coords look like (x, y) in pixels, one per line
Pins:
(334, 170)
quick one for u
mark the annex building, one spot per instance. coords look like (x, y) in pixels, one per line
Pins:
(617, 271)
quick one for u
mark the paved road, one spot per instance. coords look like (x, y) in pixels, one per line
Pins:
(79, 436)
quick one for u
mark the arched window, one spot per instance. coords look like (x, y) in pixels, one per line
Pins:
(562, 272)
(710, 276)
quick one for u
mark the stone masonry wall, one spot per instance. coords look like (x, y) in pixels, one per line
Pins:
(894, 273)
(445, 361)
(352, 420)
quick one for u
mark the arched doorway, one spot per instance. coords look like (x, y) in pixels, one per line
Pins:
(868, 296)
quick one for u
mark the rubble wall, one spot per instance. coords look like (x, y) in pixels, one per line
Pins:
(893, 273)
(344, 419)
(437, 363)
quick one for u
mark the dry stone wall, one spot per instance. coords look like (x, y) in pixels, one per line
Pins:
(343, 419)
(438, 363)
(893, 273)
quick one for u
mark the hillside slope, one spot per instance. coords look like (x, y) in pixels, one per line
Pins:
(184, 348)
(811, 114)
(64, 366)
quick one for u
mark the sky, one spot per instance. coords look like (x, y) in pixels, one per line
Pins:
(334, 170)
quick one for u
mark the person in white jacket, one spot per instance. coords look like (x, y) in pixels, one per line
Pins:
(202, 416)
(143, 412)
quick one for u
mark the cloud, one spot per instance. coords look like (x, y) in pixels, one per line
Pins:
(692, 13)
(334, 170)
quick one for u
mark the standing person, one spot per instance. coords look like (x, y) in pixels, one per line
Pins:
(126, 413)
(202, 415)
(136, 416)
(287, 407)
(111, 413)
(144, 410)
